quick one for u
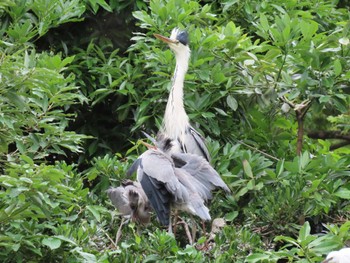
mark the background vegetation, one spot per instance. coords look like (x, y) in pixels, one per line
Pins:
(268, 85)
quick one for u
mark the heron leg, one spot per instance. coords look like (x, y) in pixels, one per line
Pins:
(119, 232)
(187, 230)
(175, 221)
(204, 228)
(170, 228)
(194, 229)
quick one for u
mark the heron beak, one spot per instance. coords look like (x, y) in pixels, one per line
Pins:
(149, 137)
(149, 146)
(166, 39)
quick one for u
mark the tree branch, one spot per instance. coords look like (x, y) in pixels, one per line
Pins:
(331, 135)
(328, 135)
(339, 145)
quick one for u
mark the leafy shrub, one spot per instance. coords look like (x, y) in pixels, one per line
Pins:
(75, 97)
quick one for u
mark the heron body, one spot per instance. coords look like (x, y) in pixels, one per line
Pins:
(176, 124)
(180, 181)
(341, 256)
(168, 187)
(131, 201)
(195, 165)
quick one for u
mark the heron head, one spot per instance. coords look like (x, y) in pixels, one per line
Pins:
(178, 40)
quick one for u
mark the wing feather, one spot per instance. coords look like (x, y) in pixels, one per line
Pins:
(195, 143)
(200, 169)
(133, 167)
(156, 174)
(158, 196)
(193, 184)
(194, 203)
(160, 167)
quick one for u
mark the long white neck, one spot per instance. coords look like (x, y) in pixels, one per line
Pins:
(175, 119)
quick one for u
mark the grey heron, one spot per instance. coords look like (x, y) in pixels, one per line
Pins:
(176, 124)
(180, 181)
(341, 256)
(132, 202)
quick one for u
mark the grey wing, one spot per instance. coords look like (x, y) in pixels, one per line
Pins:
(157, 177)
(196, 195)
(159, 197)
(160, 167)
(118, 197)
(133, 167)
(200, 169)
(194, 143)
(193, 184)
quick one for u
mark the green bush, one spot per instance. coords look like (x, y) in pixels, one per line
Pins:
(267, 85)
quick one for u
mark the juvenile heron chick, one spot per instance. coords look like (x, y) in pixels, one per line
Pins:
(131, 201)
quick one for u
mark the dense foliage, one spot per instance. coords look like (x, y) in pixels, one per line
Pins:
(268, 84)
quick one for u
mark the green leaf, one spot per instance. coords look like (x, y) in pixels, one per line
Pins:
(231, 102)
(25, 179)
(231, 216)
(151, 258)
(247, 169)
(308, 28)
(343, 193)
(221, 112)
(20, 146)
(304, 160)
(104, 5)
(250, 184)
(337, 67)
(304, 231)
(51, 242)
(325, 244)
(66, 239)
(286, 239)
(279, 167)
(264, 22)
(241, 192)
(257, 257)
(88, 257)
(17, 100)
(15, 247)
(94, 210)
(208, 115)
(27, 159)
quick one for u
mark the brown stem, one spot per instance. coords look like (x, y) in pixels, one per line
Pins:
(300, 121)
(300, 113)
